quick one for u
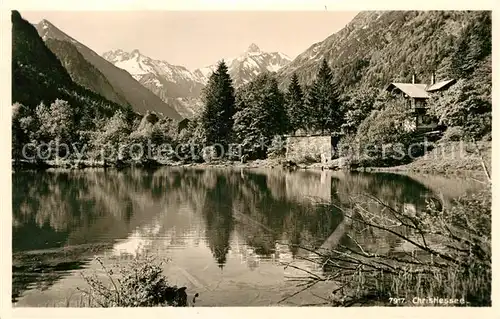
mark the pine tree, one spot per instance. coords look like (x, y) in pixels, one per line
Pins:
(310, 102)
(295, 105)
(219, 100)
(278, 119)
(324, 103)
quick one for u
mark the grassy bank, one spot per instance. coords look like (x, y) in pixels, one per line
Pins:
(447, 158)
(444, 158)
(453, 156)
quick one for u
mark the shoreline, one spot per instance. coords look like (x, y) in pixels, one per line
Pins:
(442, 160)
(272, 164)
(408, 171)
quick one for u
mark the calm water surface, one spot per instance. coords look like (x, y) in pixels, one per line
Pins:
(226, 232)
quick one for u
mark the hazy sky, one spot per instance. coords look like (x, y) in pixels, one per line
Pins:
(195, 39)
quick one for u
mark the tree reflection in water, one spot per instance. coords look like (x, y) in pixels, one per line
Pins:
(256, 214)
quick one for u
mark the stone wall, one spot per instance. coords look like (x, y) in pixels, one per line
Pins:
(302, 149)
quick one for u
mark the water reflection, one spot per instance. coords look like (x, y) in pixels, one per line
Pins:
(217, 211)
(246, 220)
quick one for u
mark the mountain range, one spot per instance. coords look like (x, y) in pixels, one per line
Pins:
(120, 87)
(181, 88)
(164, 79)
(173, 84)
(134, 79)
(375, 48)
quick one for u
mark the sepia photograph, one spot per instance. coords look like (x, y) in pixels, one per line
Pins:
(322, 158)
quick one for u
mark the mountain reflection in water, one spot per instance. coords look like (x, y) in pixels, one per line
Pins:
(216, 225)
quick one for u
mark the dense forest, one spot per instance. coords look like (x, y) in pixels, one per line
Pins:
(335, 87)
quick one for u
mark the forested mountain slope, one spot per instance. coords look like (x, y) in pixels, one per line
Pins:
(140, 98)
(82, 72)
(378, 47)
(38, 76)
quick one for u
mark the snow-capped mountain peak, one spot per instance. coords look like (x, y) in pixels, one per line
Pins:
(138, 65)
(99, 75)
(252, 62)
(169, 82)
(45, 24)
(253, 48)
(48, 30)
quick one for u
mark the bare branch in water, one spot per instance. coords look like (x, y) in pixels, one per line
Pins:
(460, 265)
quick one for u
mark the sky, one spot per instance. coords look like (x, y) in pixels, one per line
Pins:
(196, 39)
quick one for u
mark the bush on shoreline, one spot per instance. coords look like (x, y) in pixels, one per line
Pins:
(138, 284)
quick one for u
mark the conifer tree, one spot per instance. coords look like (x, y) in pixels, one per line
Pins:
(219, 100)
(310, 103)
(295, 105)
(278, 119)
(324, 103)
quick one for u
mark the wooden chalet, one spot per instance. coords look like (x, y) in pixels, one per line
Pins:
(416, 96)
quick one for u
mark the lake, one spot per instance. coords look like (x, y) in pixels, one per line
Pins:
(226, 233)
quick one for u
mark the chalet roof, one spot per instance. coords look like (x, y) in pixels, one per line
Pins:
(416, 90)
(439, 85)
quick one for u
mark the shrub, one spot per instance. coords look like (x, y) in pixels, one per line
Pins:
(277, 148)
(453, 134)
(209, 154)
(383, 139)
(140, 284)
